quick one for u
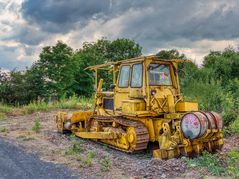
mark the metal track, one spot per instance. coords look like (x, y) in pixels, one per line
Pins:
(142, 135)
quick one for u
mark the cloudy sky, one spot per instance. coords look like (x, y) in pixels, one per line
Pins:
(192, 27)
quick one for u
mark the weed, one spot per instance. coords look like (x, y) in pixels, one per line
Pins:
(98, 174)
(89, 158)
(74, 149)
(3, 130)
(68, 152)
(76, 146)
(91, 154)
(36, 126)
(209, 161)
(148, 153)
(105, 147)
(78, 157)
(3, 116)
(88, 162)
(105, 164)
(72, 137)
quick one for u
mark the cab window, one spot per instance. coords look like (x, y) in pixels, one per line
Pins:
(124, 77)
(137, 74)
(159, 74)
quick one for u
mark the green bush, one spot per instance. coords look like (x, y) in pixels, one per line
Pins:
(207, 93)
(231, 102)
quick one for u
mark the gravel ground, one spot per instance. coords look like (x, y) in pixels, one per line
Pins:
(15, 163)
(51, 146)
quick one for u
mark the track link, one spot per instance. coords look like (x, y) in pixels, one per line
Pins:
(142, 135)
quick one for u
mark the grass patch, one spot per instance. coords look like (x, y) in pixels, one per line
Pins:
(73, 102)
(76, 149)
(36, 127)
(76, 146)
(233, 163)
(216, 164)
(5, 108)
(232, 128)
(35, 106)
(235, 126)
(210, 162)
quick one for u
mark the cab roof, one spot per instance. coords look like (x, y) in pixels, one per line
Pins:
(133, 60)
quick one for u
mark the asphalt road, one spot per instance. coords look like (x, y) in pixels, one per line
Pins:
(15, 163)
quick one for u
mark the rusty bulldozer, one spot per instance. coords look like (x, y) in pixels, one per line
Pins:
(143, 109)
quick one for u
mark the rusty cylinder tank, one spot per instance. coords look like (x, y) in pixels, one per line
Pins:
(195, 124)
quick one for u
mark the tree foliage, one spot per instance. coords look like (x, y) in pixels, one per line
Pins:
(60, 71)
(101, 52)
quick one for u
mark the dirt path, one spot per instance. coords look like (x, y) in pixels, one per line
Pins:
(91, 160)
(15, 163)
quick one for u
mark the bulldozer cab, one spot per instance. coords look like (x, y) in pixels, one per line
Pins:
(140, 86)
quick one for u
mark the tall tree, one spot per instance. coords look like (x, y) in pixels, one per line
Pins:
(58, 67)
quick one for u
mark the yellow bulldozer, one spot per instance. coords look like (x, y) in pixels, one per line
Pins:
(145, 109)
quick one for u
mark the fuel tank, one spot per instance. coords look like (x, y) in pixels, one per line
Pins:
(196, 125)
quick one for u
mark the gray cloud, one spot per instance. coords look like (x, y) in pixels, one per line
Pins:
(8, 59)
(61, 15)
(154, 24)
(28, 35)
(163, 23)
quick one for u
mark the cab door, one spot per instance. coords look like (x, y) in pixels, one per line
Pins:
(129, 84)
(136, 82)
(122, 86)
